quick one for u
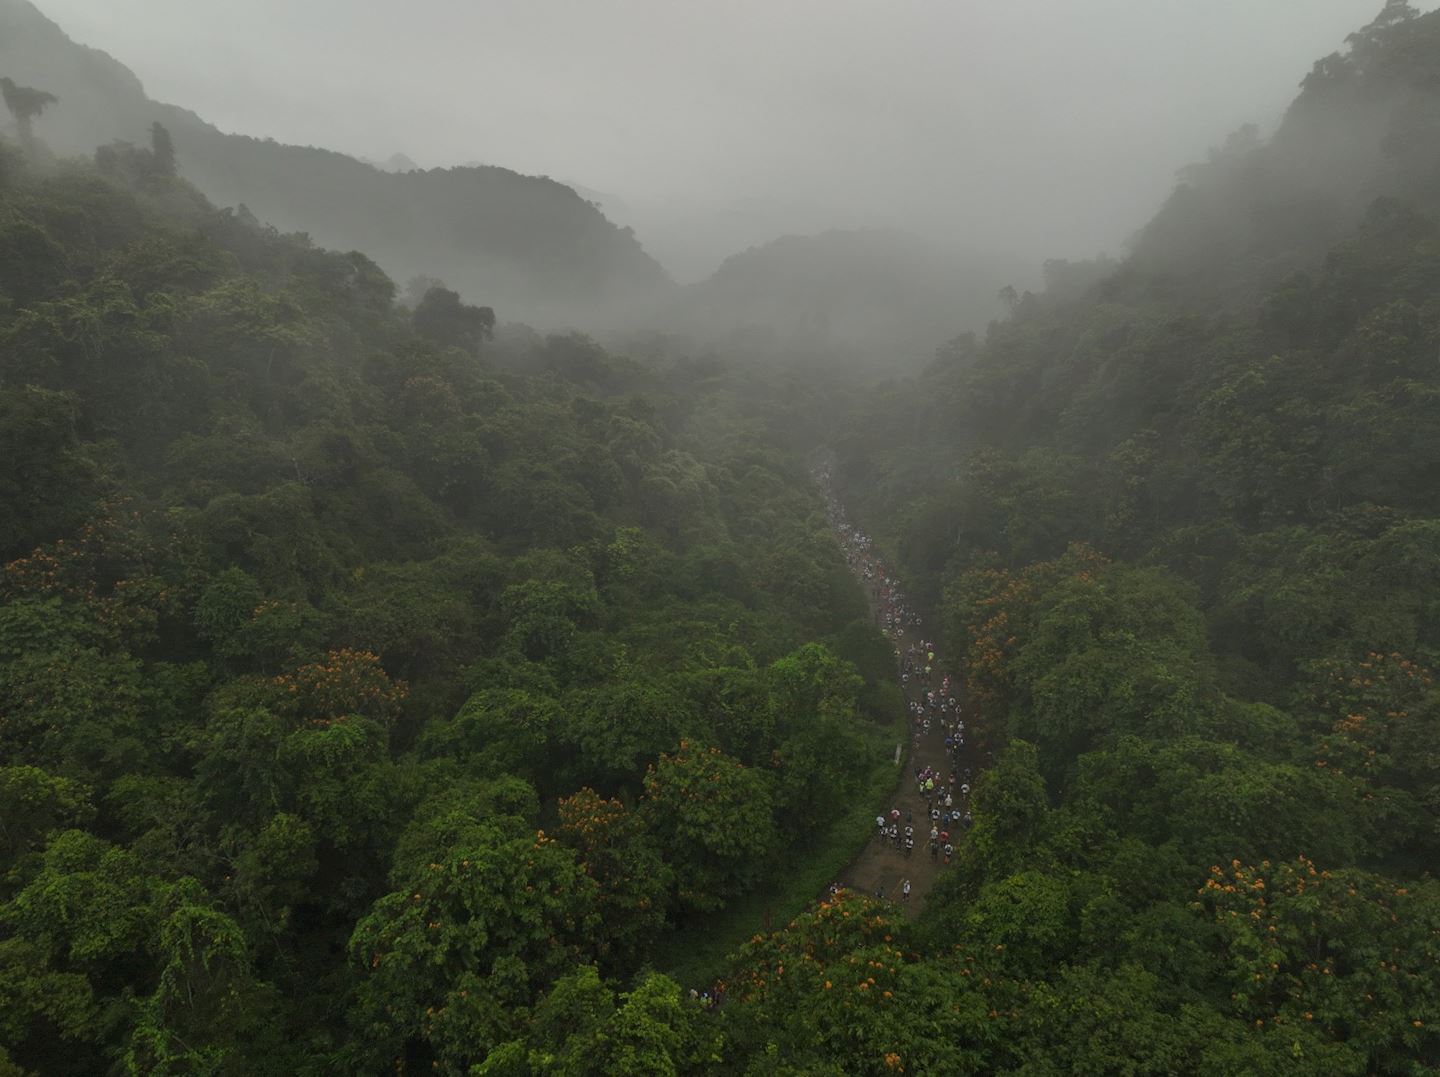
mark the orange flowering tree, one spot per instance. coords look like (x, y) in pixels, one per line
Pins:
(615, 850)
(985, 606)
(991, 612)
(347, 683)
(1348, 952)
(1383, 730)
(841, 989)
(1387, 684)
(107, 568)
(1375, 707)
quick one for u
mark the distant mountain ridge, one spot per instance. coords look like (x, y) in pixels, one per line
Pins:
(862, 296)
(529, 246)
(537, 250)
(1365, 126)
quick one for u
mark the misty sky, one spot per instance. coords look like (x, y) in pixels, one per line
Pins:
(1040, 127)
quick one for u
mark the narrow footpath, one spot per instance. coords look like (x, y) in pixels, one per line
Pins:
(934, 699)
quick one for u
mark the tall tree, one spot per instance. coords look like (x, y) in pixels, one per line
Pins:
(25, 104)
(162, 147)
(443, 318)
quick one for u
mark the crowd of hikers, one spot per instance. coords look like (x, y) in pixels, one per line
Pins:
(934, 708)
(947, 810)
(933, 699)
(935, 711)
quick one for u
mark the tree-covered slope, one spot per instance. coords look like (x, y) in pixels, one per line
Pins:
(1180, 518)
(376, 696)
(357, 685)
(1365, 125)
(525, 243)
(872, 299)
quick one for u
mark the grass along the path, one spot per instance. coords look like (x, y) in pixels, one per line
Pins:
(695, 956)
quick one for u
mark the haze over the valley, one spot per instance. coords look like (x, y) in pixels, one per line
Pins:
(1033, 128)
(719, 537)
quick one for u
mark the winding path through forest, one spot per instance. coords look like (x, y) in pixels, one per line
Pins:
(881, 867)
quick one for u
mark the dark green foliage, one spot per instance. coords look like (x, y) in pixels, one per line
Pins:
(531, 246)
(441, 317)
(52, 479)
(375, 701)
(25, 104)
(1179, 522)
(309, 610)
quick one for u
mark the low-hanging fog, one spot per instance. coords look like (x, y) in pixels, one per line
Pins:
(1034, 128)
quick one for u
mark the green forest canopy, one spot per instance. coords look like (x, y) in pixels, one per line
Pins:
(375, 696)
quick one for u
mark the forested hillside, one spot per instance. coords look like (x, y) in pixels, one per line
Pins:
(1182, 520)
(355, 688)
(865, 299)
(526, 243)
(384, 693)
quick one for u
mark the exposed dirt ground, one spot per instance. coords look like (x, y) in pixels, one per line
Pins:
(881, 866)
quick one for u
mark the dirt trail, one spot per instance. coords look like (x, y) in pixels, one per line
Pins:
(881, 867)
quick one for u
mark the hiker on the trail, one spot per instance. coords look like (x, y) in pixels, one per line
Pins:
(949, 852)
(905, 890)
